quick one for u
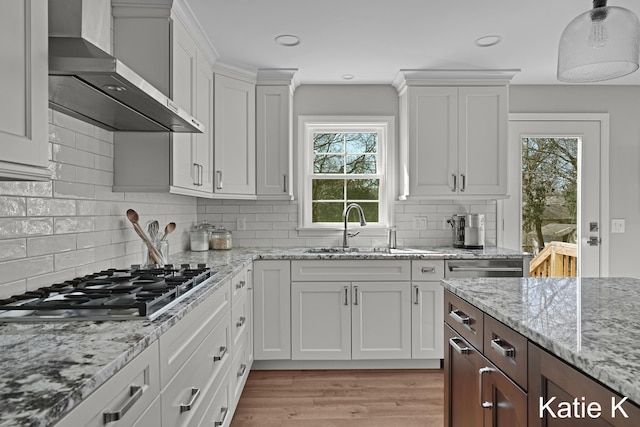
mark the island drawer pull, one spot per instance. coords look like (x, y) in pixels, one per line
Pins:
(503, 348)
(425, 270)
(460, 317)
(241, 322)
(195, 393)
(242, 370)
(135, 391)
(481, 372)
(223, 351)
(241, 284)
(223, 411)
(462, 350)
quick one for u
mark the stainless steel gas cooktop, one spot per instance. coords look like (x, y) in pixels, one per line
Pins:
(135, 293)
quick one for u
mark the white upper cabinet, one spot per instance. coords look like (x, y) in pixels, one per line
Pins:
(23, 83)
(234, 135)
(156, 43)
(453, 133)
(274, 134)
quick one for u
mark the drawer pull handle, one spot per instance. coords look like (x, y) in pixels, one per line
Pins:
(241, 322)
(195, 393)
(426, 270)
(223, 412)
(417, 300)
(460, 317)
(503, 348)
(481, 372)
(242, 370)
(346, 295)
(462, 350)
(223, 351)
(135, 393)
(355, 296)
(241, 284)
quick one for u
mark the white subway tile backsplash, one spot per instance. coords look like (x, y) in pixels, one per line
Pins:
(26, 267)
(45, 245)
(73, 190)
(50, 207)
(13, 249)
(72, 259)
(73, 225)
(23, 227)
(33, 189)
(93, 239)
(62, 136)
(13, 206)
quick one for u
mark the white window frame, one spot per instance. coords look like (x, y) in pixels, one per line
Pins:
(385, 127)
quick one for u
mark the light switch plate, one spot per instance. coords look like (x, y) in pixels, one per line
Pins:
(241, 224)
(419, 223)
(617, 225)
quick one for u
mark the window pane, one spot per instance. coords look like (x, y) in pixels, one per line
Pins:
(328, 143)
(327, 163)
(363, 189)
(362, 142)
(370, 210)
(326, 212)
(363, 163)
(328, 189)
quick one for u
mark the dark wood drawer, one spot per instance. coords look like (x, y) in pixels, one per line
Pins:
(507, 349)
(465, 319)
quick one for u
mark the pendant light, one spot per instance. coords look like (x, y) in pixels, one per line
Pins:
(600, 44)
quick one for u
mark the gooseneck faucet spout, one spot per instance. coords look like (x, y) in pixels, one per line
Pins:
(345, 217)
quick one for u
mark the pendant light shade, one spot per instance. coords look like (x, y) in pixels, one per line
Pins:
(600, 44)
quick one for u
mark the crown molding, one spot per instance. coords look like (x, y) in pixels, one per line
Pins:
(455, 77)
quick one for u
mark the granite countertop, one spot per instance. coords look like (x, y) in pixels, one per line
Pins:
(47, 368)
(590, 323)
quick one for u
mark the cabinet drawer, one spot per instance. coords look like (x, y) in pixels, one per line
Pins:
(350, 270)
(464, 318)
(507, 349)
(426, 270)
(126, 395)
(179, 342)
(239, 285)
(240, 320)
(183, 398)
(219, 411)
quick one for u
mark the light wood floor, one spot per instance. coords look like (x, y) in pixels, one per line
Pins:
(342, 398)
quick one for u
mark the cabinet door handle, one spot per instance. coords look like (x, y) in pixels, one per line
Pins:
(242, 370)
(241, 284)
(201, 175)
(241, 322)
(462, 350)
(285, 184)
(481, 372)
(460, 317)
(223, 351)
(503, 348)
(219, 179)
(455, 182)
(346, 295)
(425, 270)
(223, 418)
(417, 300)
(135, 393)
(355, 296)
(464, 182)
(196, 174)
(195, 393)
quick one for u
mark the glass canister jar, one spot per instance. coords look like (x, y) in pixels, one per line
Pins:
(221, 239)
(199, 237)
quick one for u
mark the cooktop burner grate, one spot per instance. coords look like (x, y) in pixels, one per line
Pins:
(113, 294)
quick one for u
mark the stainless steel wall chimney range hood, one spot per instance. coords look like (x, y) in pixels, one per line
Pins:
(89, 84)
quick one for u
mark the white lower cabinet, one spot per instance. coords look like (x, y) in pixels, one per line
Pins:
(272, 310)
(123, 399)
(427, 311)
(350, 320)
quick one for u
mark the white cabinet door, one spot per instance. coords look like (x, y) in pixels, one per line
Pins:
(203, 155)
(23, 84)
(321, 320)
(272, 310)
(274, 110)
(483, 124)
(235, 148)
(427, 318)
(381, 320)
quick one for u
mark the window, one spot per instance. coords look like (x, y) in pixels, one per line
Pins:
(344, 161)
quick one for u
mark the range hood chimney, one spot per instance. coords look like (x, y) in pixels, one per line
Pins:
(88, 83)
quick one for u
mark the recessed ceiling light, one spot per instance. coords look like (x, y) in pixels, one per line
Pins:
(488, 41)
(287, 40)
(348, 76)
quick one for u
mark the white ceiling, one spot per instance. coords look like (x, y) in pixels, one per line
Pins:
(373, 39)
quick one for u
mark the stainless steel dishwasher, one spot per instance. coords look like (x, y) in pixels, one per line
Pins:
(472, 268)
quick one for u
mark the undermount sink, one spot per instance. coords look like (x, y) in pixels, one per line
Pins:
(382, 250)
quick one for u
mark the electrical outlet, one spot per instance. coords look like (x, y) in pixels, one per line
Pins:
(617, 225)
(419, 223)
(241, 224)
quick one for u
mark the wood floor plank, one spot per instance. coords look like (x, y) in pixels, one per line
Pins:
(342, 398)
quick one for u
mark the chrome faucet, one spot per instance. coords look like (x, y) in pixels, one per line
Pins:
(345, 216)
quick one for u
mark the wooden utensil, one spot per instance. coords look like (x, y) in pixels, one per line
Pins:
(153, 252)
(168, 229)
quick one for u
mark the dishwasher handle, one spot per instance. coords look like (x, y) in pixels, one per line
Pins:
(453, 268)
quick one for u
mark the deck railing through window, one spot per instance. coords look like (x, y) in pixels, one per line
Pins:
(557, 259)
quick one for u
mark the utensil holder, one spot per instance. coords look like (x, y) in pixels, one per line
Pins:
(162, 247)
